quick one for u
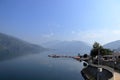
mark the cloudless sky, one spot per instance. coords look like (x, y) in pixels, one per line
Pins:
(38, 21)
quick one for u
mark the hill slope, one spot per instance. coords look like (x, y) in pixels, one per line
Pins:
(115, 45)
(69, 47)
(12, 47)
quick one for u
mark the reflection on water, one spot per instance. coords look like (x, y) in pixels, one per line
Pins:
(40, 67)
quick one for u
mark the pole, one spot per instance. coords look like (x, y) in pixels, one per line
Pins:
(98, 64)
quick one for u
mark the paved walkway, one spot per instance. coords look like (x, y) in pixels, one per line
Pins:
(116, 75)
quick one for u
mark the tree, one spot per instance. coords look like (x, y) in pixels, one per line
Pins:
(96, 45)
(79, 54)
(94, 51)
(85, 55)
(98, 49)
(105, 52)
(119, 57)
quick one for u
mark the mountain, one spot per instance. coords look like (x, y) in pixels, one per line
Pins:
(50, 44)
(11, 47)
(69, 47)
(115, 45)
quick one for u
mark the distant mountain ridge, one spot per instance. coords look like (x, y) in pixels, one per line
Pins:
(69, 46)
(79, 46)
(12, 47)
(115, 45)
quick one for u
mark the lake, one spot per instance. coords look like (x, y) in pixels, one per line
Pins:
(41, 67)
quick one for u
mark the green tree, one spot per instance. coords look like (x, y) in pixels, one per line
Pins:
(85, 55)
(94, 51)
(98, 49)
(96, 45)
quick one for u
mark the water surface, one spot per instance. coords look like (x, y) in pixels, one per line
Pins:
(40, 67)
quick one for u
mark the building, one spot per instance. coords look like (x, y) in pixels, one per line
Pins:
(114, 56)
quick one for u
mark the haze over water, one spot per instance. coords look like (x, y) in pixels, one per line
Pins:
(40, 66)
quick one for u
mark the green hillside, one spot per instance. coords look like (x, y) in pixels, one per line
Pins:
(11, 47)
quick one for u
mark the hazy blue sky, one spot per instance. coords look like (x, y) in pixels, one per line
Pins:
(43, 20)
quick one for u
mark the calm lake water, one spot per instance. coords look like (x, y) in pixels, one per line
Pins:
(40, 67)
